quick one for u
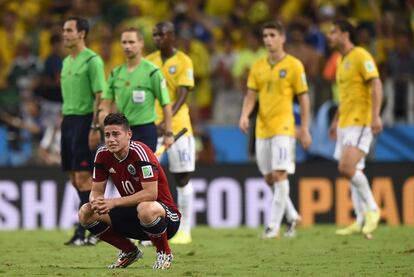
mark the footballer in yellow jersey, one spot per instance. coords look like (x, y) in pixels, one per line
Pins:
(276, 85)
(178, 71)
(355, 123)
(177, 68)
(354, 71)
(274, 81)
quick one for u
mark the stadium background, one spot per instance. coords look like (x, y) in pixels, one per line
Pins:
(223, 40)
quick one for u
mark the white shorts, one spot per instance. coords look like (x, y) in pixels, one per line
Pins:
(181, 155)
(357, 136)
(276, 153)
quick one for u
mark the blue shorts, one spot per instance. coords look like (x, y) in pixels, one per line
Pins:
(146, 133)
(126, 223)
(75, 152)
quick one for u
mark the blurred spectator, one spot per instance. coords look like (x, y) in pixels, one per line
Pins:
(23, 133)
(329, 73)
(247, 56)
(311, 59)
(47, 86)
(49, 148)
(401, 67)
(24, 69)
(51, 27)
(201, 97)
(224, 93)
(222, 62)
(10, 36)
(106, 44)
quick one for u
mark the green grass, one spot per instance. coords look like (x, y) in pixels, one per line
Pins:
(226, 252)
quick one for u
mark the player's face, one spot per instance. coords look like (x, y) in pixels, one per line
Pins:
(335, 37)
(71, 36)
(273, 40)
(131, 44)
(117, 138)
(162, 37)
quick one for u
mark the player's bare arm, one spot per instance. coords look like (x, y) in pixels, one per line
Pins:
(94, 133)
(182, 93)
(97, 192)
(168, 135)
(334, 125)
(376, 88)
(304, 135)
(248, 106)
(105, 108)
(148, 193)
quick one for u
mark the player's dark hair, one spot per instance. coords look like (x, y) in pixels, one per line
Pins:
(347, 27)
(81, 24)
(166, 24)
(117, 119)
(276, 24)
(140, 36)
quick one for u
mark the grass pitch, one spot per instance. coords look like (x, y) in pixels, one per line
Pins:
(316, 251)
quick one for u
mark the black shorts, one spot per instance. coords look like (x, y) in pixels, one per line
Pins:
(126, 223)
(146, 133)
(75, 152)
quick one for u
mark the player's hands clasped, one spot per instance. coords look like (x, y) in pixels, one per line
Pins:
(100, 205)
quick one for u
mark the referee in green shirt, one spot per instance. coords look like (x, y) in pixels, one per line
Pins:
(82, 81)
(134, 87)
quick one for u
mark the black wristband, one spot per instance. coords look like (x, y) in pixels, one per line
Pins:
(169, 134)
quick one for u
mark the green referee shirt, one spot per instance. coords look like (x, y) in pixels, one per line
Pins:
(134, 93)
(80, 79)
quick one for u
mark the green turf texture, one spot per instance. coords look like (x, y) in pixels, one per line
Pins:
(316, 251)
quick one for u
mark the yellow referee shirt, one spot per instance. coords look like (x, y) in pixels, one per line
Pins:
(178, 71)
(354, 71)
(276, 86)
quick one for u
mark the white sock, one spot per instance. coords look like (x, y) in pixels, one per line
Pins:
(358, 205)
(290, 212)
(360, 181)
(281, 193)
(185, 205)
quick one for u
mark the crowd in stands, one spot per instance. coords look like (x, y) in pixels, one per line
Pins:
(222, 38)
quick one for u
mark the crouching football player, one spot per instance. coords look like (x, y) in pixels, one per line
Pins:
(145, 210)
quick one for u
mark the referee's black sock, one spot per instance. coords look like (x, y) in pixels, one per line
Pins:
(84, 198)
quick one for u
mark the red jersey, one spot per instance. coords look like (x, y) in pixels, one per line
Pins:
(140, 165)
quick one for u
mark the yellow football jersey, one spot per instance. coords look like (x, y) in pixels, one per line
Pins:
(276, 86)
(354, 71)
(178, 71)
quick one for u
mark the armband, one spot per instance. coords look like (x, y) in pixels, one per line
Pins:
(169, 134)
